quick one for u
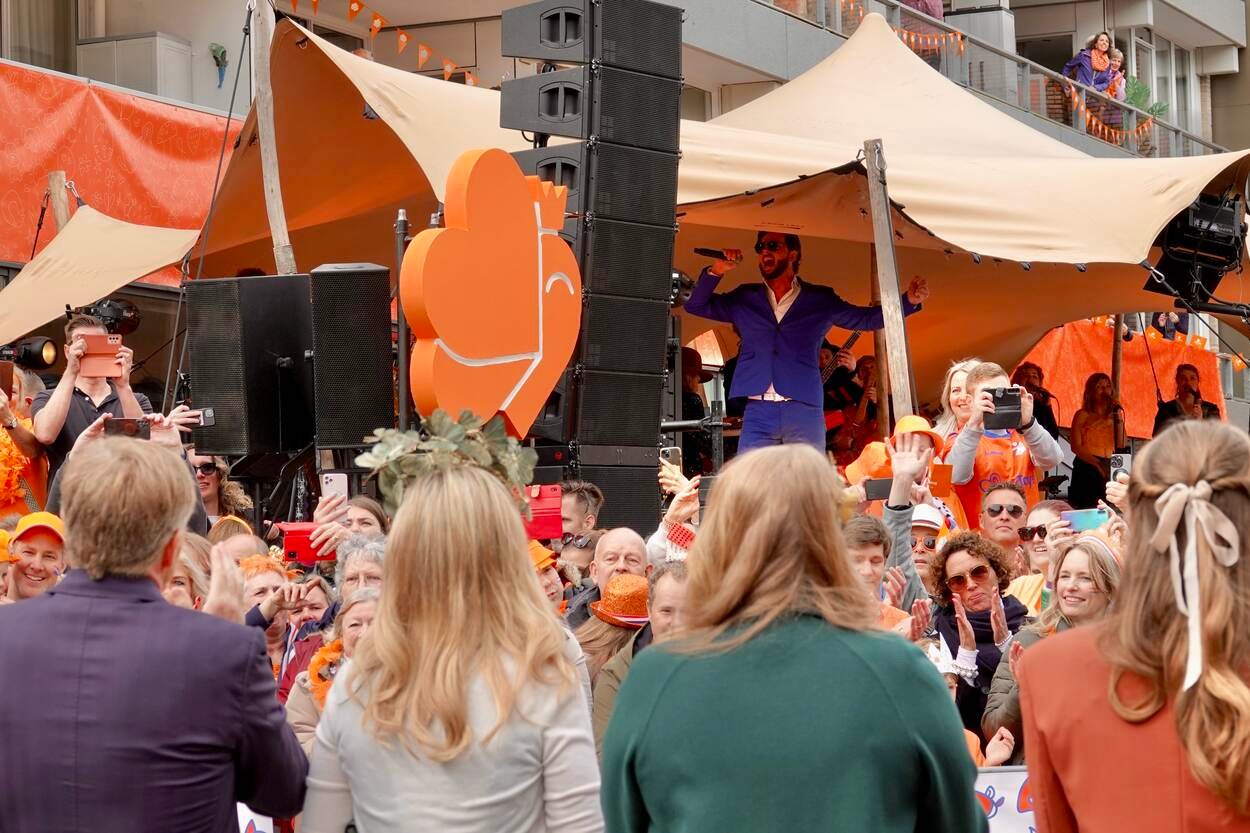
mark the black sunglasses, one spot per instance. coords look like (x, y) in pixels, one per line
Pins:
(579, 541)
(996, 509)
(978, 574)
(1028, 533)
(206, 469)
(771, 245)
(929, 541)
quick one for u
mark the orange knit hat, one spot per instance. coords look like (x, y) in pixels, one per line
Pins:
(624, 603)
(873, 461)
(541, 556)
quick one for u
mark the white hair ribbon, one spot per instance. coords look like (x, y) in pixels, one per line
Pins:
(1194, 504)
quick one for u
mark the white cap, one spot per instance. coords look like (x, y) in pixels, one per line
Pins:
(925, 515)
(940, 656)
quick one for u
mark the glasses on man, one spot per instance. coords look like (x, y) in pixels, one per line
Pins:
(206, 469)
(579, 541)
(959, 582)
(770, 245)
(929, 542)
(996, 509)
(1028, 533)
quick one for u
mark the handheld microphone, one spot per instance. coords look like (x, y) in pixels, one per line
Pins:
(716, 254)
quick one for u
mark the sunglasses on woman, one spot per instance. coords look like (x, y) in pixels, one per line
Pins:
(929, 542)
(959, 583)
(1028, 533)
(771, 245)
(206, 469)
(579, 541)
(996, 509)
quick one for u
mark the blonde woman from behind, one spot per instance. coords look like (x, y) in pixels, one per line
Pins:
(461, 708)
(1153, 702)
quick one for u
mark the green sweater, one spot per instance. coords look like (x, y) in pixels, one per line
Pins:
(805, 728)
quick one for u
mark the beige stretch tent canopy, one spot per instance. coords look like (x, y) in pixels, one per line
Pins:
(965, 177)
(92, 256)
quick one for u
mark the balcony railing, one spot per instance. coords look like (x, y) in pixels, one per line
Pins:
(1008, 78)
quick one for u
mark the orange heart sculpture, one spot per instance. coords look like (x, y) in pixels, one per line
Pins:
(494, 298)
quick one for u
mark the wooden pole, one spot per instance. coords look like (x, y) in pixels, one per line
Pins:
(1117, 355)
(895, 330)
(262, 38)
(59, 198)
(880, 352)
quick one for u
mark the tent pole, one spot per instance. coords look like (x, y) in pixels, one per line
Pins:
(895, 331)
(401, 322)
(880, 351)
(59, 198)
(1117, 355)
(263, 23)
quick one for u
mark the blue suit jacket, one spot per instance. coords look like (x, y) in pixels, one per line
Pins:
(125, 713)
(786, 353)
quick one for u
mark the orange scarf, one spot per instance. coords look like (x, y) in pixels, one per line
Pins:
(1099, 60)
(325, 664)
(12, 463)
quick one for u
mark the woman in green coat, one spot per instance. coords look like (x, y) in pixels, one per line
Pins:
(781, 708)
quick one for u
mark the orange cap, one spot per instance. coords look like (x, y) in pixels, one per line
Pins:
(4, 547)
(624, 603)
(919, 425)
(39, 520)
(541, 556)
(873, 461)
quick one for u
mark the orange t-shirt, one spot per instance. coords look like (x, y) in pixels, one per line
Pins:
(890, 616)
(35, 476)
(974, 747)
(1002, 457)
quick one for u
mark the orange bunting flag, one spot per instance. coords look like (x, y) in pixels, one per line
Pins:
(295, 6)
(449, 69)
(1153, 335)
(403, 41)
(315, 4)
(1238, 364)
(470, 79)
(423, 55)
(1101, 320)
(1198, 341)
(375, 25)
(354, 7)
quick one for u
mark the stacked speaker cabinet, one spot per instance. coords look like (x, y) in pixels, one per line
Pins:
(610, 77)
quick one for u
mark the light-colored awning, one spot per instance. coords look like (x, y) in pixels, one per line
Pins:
(92, 256)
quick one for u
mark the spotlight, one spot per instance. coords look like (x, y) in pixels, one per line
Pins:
(36, 353)
(1081, 267)
(119, 316)
(1024, 264)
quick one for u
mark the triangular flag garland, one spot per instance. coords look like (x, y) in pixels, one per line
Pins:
(470, 79)
(375, 25)
(423, 55)
(1238, 364)
(1198, 341)
(295, 6)
(315, 4)
(403, 41)
(354, 7)
(449, 69)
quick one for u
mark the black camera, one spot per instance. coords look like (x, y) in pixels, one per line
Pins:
(1006, 409)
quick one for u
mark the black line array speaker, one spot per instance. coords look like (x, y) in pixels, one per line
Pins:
(624, 105)
(352, 356)
(247, 342)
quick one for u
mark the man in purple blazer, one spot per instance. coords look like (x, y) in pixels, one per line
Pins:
(121, 712)
(781, 323)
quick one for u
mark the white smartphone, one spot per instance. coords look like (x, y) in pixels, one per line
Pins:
(334, 483)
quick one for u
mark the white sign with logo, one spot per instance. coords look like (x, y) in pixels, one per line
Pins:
(1005, 797)
(250, 822)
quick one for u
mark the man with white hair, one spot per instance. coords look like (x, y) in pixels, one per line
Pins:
(143, 715)
(619, 551)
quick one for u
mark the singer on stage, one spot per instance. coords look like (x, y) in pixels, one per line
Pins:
(781, 324)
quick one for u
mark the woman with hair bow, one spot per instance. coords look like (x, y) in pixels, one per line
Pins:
(1142, 722)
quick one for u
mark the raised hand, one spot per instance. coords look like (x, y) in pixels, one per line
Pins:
(982, 404)
(1013, 658)
(287, 597)
(685, 505)
(895, 584)
(184, 418)
(1026, 405)
(330, 509)
(225, 587)
(732, 258)
(998, 618)
(967, 637)
(918, 292)
(1117, 491)
(671, 478)
(998, 750)
(125, 358)
(326, 538)
(1059, 534)
(73, 356)
(910, 456)
(921, 617)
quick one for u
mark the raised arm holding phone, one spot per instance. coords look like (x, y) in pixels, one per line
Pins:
(81, 397)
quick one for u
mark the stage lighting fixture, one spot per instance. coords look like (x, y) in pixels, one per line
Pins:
(36, 353)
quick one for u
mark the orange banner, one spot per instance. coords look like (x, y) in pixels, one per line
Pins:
(1068, 355)
(131, 158)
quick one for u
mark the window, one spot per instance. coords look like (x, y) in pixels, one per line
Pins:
(43, 33)
(1161, 87)
(1181, 112)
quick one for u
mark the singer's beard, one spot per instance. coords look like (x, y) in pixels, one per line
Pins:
(778, 269)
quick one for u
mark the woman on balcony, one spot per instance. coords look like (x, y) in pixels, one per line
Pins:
(1092, 65)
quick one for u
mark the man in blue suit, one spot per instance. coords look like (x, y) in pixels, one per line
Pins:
(781, 324)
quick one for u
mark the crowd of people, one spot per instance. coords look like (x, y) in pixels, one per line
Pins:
(439, 670)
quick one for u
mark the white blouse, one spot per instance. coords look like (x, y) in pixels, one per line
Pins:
(538, 773)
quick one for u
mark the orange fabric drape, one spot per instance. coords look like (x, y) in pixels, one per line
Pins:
(1069, 354)
(142, 161)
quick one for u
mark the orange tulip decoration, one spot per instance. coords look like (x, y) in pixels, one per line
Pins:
(495, 297)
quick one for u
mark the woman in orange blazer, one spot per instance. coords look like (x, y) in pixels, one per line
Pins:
(1142, 723)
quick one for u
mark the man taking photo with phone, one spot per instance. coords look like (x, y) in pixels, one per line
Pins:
(78, 400)
(782, 323)
(983, 458)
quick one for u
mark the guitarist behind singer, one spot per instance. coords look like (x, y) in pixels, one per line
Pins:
(781, 323)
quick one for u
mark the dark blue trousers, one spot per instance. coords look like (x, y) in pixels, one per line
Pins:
(779, 423)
